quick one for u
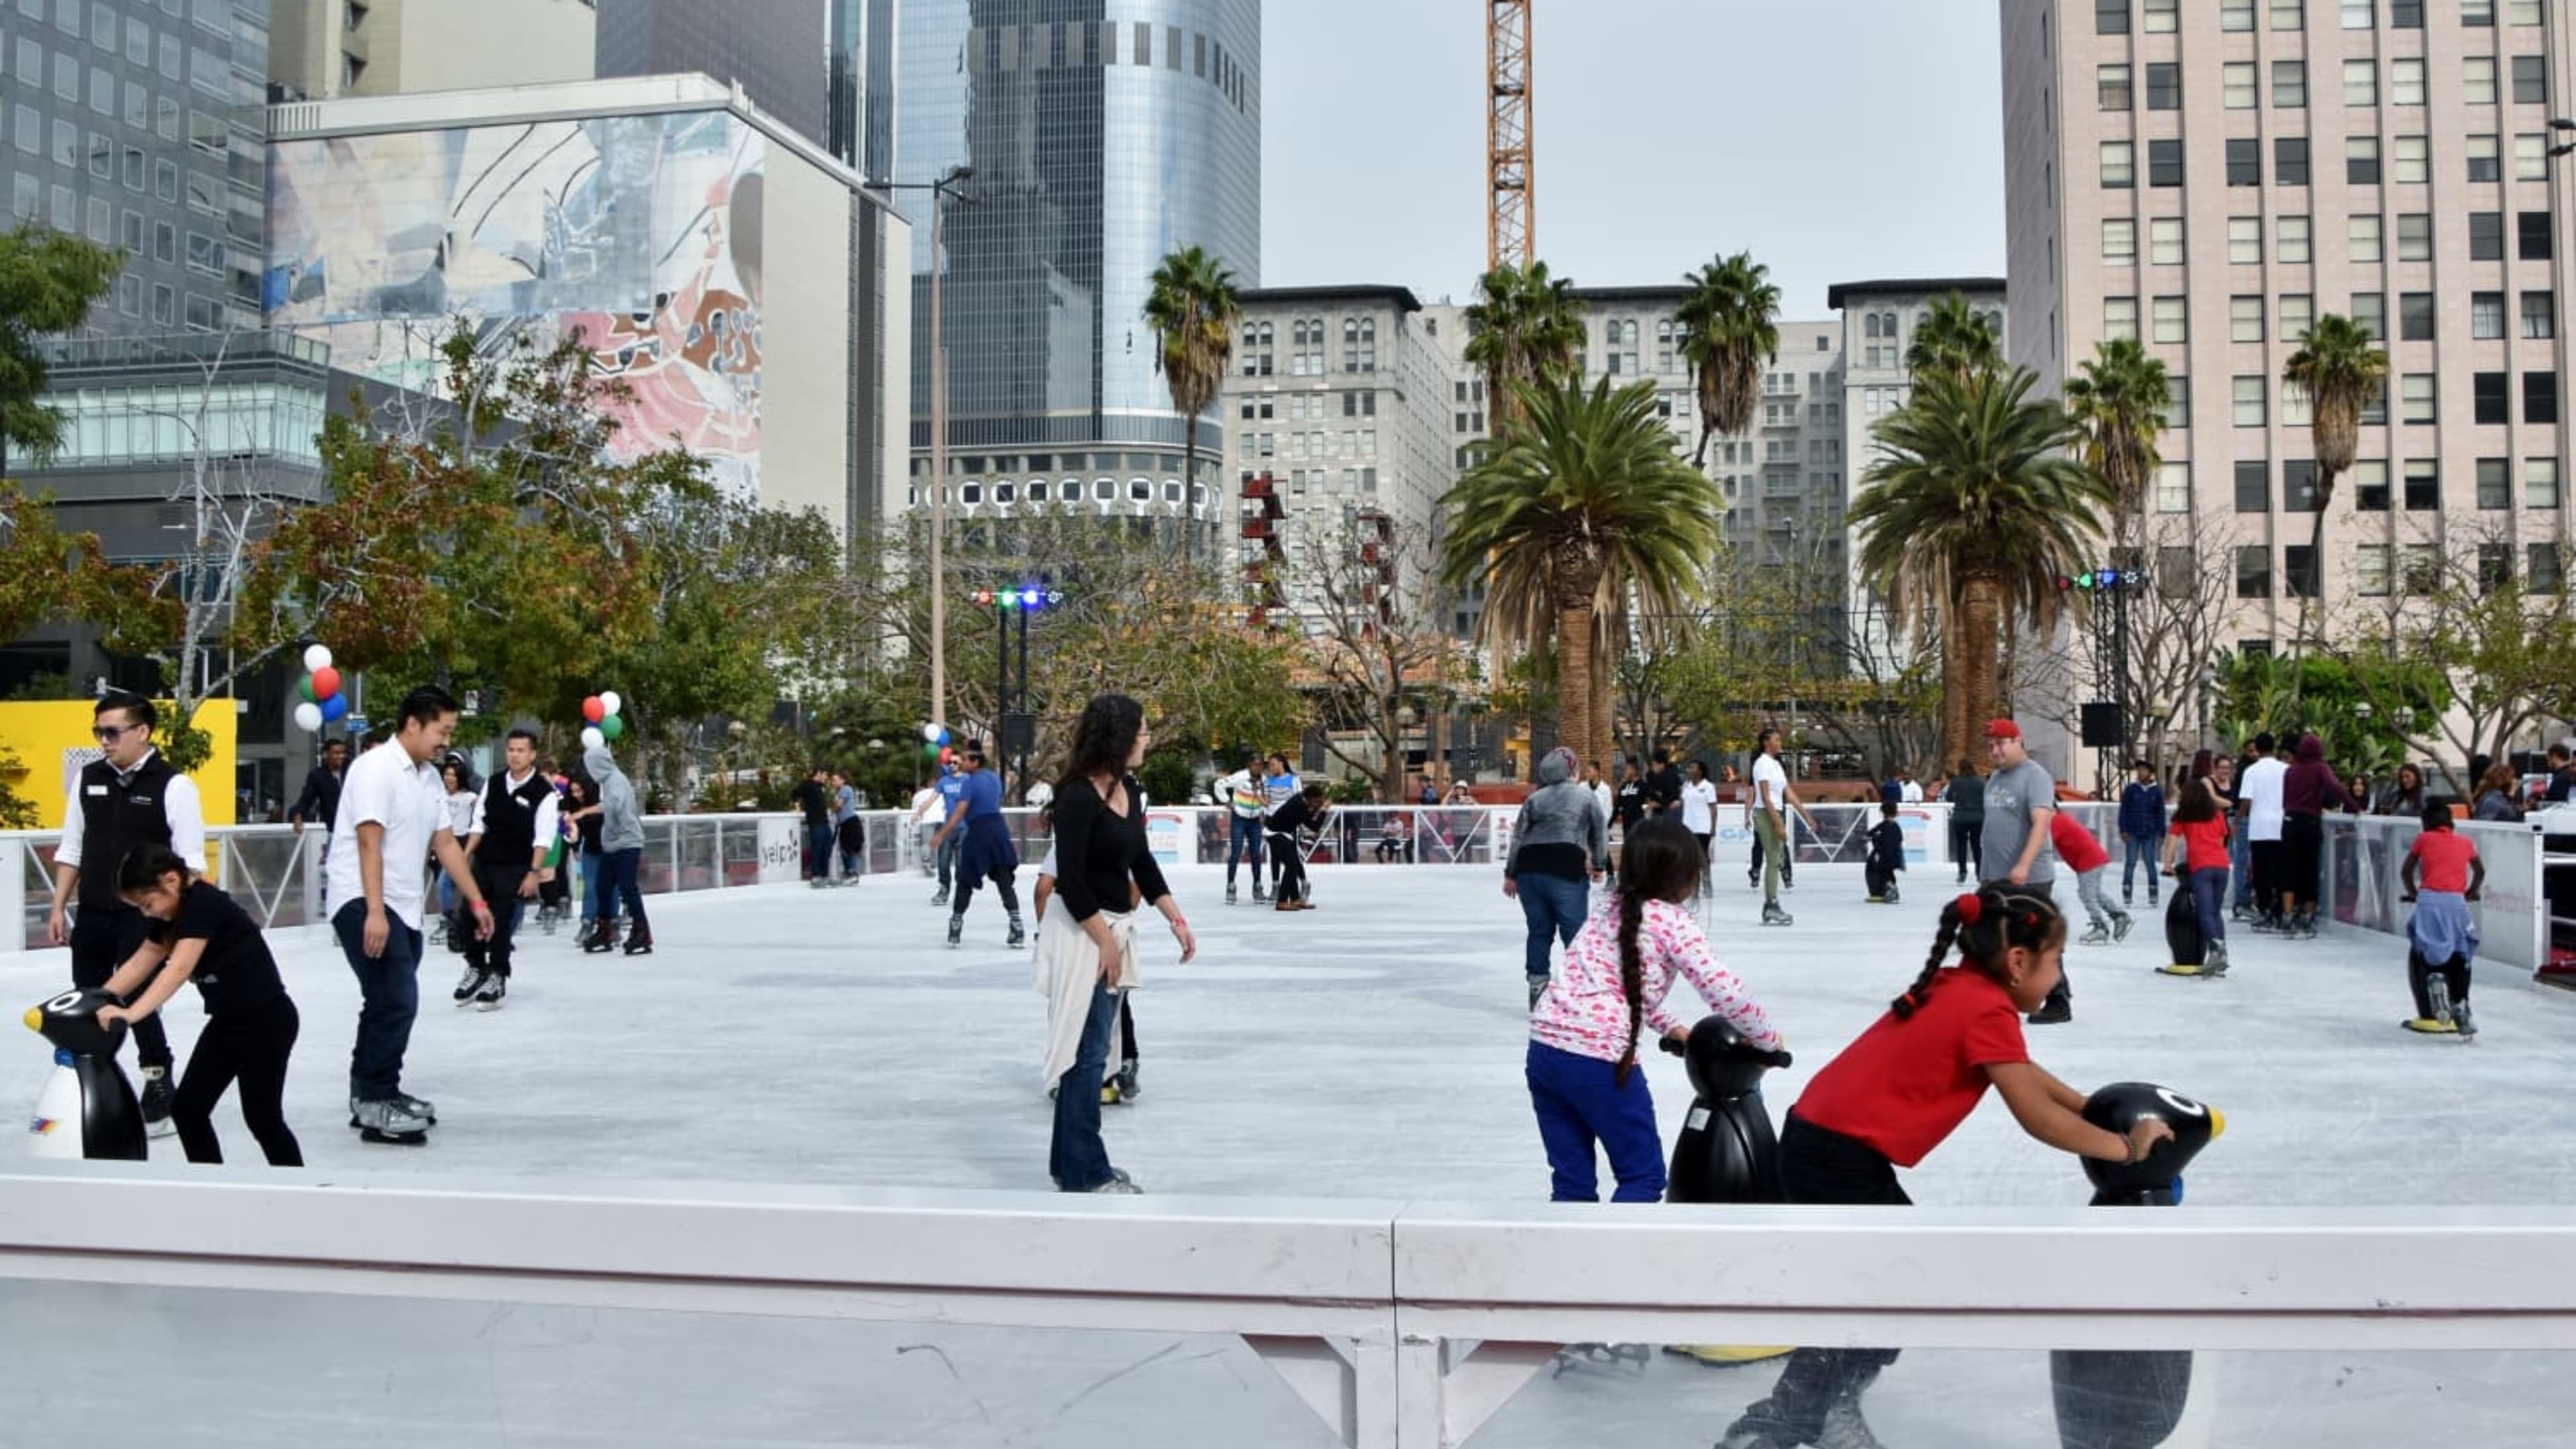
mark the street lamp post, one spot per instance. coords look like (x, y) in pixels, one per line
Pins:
(940, 190)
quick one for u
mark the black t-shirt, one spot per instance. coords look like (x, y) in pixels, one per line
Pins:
(2562, 786)
(815, 802)
(1632, 801)
(235, 971)
(1664, 787)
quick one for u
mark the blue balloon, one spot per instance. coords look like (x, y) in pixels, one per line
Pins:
(334, 708)
(943, 737)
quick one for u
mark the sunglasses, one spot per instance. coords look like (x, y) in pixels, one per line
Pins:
(112, 732)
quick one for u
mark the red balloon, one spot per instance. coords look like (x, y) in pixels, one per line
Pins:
(946, 754)
(326, 682)
(593, 710)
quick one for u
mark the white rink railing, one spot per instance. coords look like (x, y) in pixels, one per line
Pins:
(1403, 1325)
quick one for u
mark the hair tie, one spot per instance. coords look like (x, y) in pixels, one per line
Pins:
(1970, 909)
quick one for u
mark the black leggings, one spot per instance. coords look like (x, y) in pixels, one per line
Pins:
(250, 1046)
(2420, 972)
(1004, 885)
(2303, 839)
(1291, 885)
(1821, 1166)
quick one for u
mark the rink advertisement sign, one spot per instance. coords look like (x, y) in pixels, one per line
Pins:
(782, 850)
(1167, 832)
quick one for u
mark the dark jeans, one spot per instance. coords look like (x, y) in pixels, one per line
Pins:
(1967, 843)
(250, 1047)
(2240, 854)
(1555, 908)
(1076, 1157)
(1243, 842)
(2268, 863)
(1818, 1166)
(2138, 850)
(818, 850)
(2209, 897)
(2303, 841)
(389, 996)
(1291, 862)
(616, 875)
(1579, 1100)
(103, 938)
(499, 883)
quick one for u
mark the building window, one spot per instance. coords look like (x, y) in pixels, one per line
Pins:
(2491, 398)
(2119, 319)
(2290, 160)
(2530, 158)
(2289, 14)
(2540, 397)
(2410, 161)
(2531, 80)
(2540, 483)
(2486, 236)
(2299, 571)
(2406, 82)
(2361, 83)
(2532, 233)
(2172, 319)
(2357, 14)
(2164, 163)
(2111, 87)
(2245, 241)
(2238, 85)
(2164, 242)
(2290, 238)
(2363, 239)
(2486, 159)
(2417, 403)
(2253, 571)
(2361, 161)
(2253, 486)
(2414, 316)
(2164, 86)
(2370, 309)
(2179, 415)
(2539, 315)
(2495, 484)
(2289, 85)
(2298, 410)
(2422, 563)
(2370, 485)
(2244, 161)
(2423, 485)
(2252, 401)
(2478, 80)
(2110, 17)
(2298, 314)
(2405, 14)
(2544, 568)
(2235, 14)
(2486, 316)
(2370, 570)
(2415, 237)
(2173, 488)
(2119, 164)
(2162, 16)
(2245, 319)
(2119, 243)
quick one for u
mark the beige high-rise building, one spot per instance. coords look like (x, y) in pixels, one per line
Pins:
(2210, 175)
(321, 49)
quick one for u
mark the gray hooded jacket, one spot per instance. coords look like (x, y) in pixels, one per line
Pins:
(621, 823)
(1563, 813)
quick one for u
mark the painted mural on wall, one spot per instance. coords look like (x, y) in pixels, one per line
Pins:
(644, 232)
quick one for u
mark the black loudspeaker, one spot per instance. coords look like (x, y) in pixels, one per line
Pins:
(2102, 726)
(1019, 733)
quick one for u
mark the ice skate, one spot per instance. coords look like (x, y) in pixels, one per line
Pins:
(156, 1103)
(495, 987)
(1229, 893)
(390, 1122)
(418, 1107)
(2097, 934)
(1537, 984)
(1772, 915)
(1260, 897)
(956, 931)
(470, 983)
(1891, 897)
(1118, 1187)
(2120, 924)
(1845, 1428)
(940, 897)
(639, 942)
(1019, 933)
(2460, 1018)
(1126, 1079)
(589, 929)
(2305, 927)
(2430, 1027)
(602, 939)
(2216, 965)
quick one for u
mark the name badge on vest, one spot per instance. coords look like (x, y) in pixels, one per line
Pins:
(95, 790)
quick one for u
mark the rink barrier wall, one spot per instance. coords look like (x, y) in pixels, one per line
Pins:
(1404, 1325)
(277, 874)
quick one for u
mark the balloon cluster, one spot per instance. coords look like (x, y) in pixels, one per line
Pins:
(606, 724)
(323, 702)
(935, 744)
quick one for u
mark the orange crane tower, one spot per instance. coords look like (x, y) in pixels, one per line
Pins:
(1511, 212)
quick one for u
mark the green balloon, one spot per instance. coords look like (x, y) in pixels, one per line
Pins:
(612, 728)
(305, 688)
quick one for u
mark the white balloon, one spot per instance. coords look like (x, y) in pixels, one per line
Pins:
(308, 716)
(930, 734)
(317, 656)
(591, 738)
(609, 701)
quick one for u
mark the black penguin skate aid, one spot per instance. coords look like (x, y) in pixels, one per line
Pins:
(2132, 1400)
(2183, 936)
(1727, 1151)
(87, 1107)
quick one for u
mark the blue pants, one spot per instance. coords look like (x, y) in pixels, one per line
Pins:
(389, 993)
(1554, 908)
(2209, 897)
(818, 851)
(2241, 858)
(1243, 842)
(1076, 1157)
(2138, 850)
(615, 876)
(1578, 1101)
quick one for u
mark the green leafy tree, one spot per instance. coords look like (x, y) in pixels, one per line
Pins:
(1523, 330)
(1730, 332)
(2341, 369)
(1974, 501)
(1955, 338)
(1586, 507)
(1192, 308)
(48, 282)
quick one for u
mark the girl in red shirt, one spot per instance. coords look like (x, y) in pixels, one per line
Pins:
(2442, 936)
(1897, 1092)
(2200, 834)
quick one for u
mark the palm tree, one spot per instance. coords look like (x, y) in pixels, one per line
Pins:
(1585, 506)
(1524, 330)
(2121, 399)
(1973, 502)
(1730, 331)
(1954, 337)
(1192, 308)
(2341, 369)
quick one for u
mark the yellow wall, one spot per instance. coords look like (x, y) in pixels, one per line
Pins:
(39, 734)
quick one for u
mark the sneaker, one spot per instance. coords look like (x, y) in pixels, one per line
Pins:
(2053, 1011)
(494, 988)
(470, 983)
(956, 930)
(1772, 915)
(2120, 924)
(2096, 934)
(156, 1103)
(390, 1122)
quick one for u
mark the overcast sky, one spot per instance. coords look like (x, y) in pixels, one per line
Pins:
(1839, 140)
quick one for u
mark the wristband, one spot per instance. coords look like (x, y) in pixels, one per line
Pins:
(484, 906)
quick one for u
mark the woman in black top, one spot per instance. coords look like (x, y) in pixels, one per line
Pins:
(1087, 950)
(199, 934)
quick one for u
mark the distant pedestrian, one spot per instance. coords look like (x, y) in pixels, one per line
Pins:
(1560, 845)
(2142, 830)
(1966, 793)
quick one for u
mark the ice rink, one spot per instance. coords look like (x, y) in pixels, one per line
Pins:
(1371, 1047)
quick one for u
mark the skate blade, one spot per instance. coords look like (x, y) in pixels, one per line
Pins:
(162, 1128)
(394, 1139)
(1721, 1355)
(487, 1006)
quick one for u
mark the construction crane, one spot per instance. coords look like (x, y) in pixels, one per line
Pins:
(1511, 210)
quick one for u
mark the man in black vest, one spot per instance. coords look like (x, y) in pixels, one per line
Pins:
(129, 799)
(513, 833)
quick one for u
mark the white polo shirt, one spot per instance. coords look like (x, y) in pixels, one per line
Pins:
(386, 787)
(1699, 806)
(2261, 792)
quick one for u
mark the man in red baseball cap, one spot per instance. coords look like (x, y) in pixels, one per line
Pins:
(2021, 801)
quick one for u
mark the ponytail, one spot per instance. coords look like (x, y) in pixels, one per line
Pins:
(1632, 977)
(1982, 926)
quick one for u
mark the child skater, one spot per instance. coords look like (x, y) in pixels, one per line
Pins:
(2200, 836)
(2092, 867)
(1886, 856)
(200, 935)
(1893, 1095)
(2442, 936)
(1583, 1077)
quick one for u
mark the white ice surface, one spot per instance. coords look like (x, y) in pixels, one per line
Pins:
(1371, 1047)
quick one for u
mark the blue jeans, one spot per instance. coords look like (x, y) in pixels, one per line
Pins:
(2241, 858)
(389, 993)
(615, 876)
(2137, 850)
(1579, 1100)
(1243, 842)
(1076, 1157)
(948, 849)
(1554, 908)
(818, 851)
(2209, 896)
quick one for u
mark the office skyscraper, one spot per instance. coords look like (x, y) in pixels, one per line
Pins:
(775, 49)
(863, 70)
(1099, 145)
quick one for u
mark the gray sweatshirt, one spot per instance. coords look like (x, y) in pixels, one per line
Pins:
(1562, 831)
(621, 823)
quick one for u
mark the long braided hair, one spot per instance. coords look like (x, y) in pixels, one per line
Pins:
(1983, 926)
(1661, 861)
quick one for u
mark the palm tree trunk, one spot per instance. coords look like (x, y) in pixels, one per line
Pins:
(1956, 721)
(1980, 619)
(1576, 708)
(2316, 586)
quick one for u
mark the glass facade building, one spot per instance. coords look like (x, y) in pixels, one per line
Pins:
(136, 124)
(1102, 138)
(774, 49)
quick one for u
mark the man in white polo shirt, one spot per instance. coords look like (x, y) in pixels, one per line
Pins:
(393, 815)
(2258, 794)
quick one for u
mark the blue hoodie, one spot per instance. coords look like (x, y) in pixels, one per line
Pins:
(2142, 810)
